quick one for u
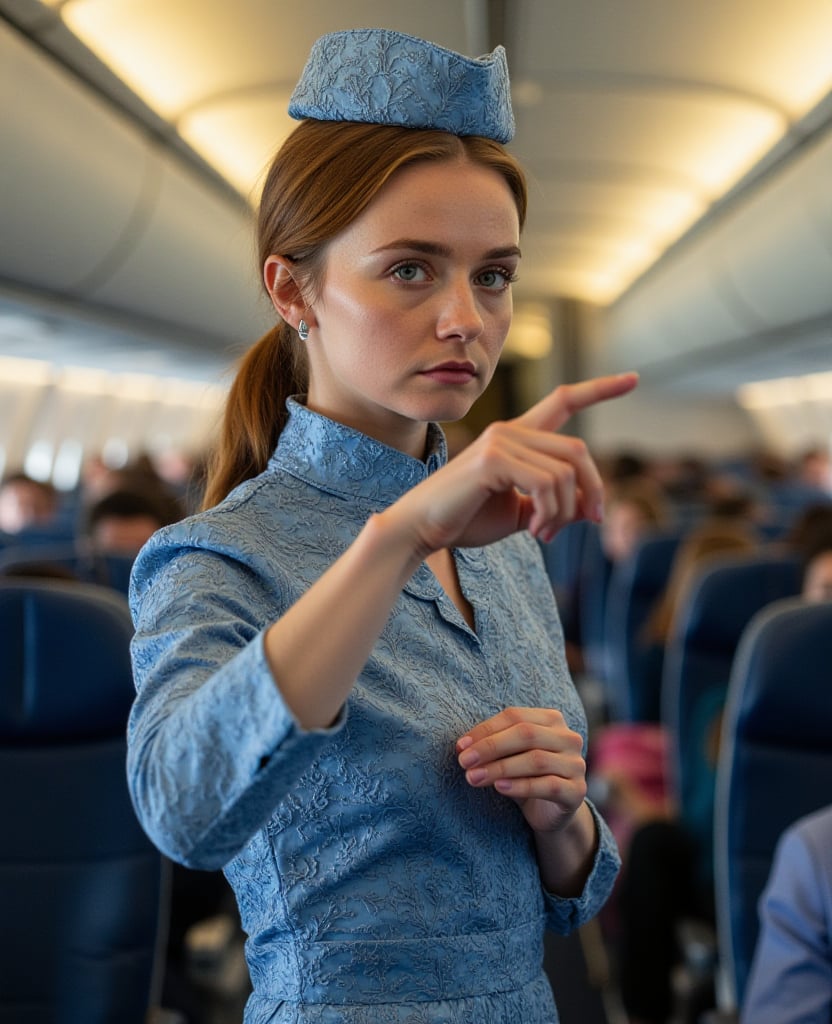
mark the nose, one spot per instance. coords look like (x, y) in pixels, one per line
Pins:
(459, 315)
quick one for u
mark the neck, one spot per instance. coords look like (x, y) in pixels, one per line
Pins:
(409, 437)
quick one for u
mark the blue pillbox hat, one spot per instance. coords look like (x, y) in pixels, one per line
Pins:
(379, 76)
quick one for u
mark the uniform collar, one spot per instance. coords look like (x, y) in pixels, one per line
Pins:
(344, 462)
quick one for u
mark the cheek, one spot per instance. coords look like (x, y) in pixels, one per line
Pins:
(353, 316)
(499, 326)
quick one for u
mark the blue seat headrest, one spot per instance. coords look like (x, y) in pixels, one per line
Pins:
(772, 660)
(65, 673)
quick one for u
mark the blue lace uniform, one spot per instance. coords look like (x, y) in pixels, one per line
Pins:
(374, 884)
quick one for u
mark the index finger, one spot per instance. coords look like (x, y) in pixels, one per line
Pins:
(551, 412)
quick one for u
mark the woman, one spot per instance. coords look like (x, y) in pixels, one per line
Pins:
(351, 697)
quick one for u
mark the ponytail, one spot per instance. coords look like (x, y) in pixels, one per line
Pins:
(255, 411)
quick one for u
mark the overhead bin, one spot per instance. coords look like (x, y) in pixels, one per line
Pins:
(95, 210)
(762, 265)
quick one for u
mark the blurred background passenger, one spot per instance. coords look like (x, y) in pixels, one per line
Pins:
(810, 529)
(808, 481)
(717, 536)
(120, 523)
(139, 476)
(814, 469)
(25, 503)
(817, 573)
(634, 508)
(790, 981)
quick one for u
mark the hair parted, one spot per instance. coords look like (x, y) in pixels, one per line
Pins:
(322, 178)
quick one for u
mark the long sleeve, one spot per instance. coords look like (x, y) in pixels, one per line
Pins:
(791, 975)
(213, 747)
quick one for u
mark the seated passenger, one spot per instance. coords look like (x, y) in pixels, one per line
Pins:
(714, 537)
(122, 522)
(633, 510)
(26, 502)
(817, 573)
(791, 973)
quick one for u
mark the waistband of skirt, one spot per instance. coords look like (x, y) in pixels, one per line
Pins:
(435, 967)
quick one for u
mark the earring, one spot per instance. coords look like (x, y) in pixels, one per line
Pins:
(303, 330)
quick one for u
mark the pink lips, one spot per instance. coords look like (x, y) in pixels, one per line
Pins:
(451, 373)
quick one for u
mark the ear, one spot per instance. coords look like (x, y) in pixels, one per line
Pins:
(283, 289)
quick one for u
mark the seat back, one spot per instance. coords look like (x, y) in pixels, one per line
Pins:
(562, 557)
(71, 559)
(593, 580)
(81, 887)
(775, 763)
(700, 652)
(635, 668)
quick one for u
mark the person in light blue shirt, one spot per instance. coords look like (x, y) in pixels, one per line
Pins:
(352, 694)
(790, 981)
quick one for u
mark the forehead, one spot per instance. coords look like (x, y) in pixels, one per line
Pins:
(443, 197)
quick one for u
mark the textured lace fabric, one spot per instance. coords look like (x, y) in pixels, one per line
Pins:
(374, 884)
(385, 77)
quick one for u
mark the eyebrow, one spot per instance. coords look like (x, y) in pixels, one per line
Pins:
(435, 249)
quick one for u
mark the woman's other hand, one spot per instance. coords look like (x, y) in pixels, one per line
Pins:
(531, 756)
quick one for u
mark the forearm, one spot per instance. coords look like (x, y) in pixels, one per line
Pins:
(318, 648)
(565, 858)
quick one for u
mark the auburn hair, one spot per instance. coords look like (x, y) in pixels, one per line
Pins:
(323, 176)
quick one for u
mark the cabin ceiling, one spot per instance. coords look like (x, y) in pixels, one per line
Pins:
(645, 127)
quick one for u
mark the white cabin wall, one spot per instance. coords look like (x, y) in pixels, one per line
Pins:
(662, 422)
(664, 425)
(652, 422)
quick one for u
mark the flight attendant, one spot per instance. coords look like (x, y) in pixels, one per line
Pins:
(352, 689)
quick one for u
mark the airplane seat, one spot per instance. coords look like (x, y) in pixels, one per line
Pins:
(634, 680)
(83, 891)
(562, 555)
(55, 559)
(62, 532)
(72, 560)
(593, 580)
(697, 666)
(562, 560)
(699, 655)
(775, 764)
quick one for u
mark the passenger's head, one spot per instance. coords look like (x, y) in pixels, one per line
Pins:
(120, 523)
(710, 540)
(632, 510)
(327, 175)
(25, 502)
(811, 529)
(817, 573)
(626, 466)
(814, 468)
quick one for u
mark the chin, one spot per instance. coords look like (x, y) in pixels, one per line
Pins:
(447, 412)
(446, 408)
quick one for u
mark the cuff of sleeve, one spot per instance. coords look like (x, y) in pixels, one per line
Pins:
(564, 915)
